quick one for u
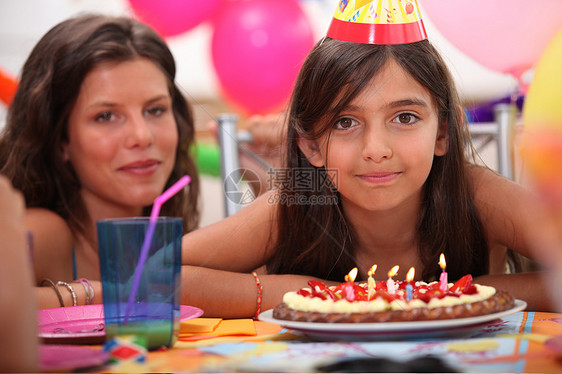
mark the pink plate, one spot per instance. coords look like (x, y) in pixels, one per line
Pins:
(69, 357)
(84, 324)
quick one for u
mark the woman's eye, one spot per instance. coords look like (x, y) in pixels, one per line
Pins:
(405, 119)
(104, 117)
(345, 123)
(156, 111)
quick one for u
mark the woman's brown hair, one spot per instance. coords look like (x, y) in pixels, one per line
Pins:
(315, 239)
(37, 121)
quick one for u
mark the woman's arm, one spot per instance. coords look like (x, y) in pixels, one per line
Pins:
(52, 245)
(47, 296)
(52, 259)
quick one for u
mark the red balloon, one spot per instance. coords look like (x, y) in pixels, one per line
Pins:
(8, 87)
(173, 17)
(507, 36)
(258, 47)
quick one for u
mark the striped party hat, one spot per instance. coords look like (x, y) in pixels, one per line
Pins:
(377, 22)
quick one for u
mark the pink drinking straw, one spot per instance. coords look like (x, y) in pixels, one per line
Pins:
(174, 189)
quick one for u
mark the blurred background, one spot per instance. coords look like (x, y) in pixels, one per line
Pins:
(241, 56)
(23, 22)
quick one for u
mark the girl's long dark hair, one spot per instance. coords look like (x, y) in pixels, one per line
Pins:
(315, 239)
(37, 122)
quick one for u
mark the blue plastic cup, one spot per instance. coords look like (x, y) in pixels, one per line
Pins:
(154, 315)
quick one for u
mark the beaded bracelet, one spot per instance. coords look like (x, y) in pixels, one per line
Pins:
(54, 286)
(70, 289)
(260, 291)
(89, 290)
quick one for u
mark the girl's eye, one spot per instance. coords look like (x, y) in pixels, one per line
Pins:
(405, 119)
(345, 123)
(104, 117)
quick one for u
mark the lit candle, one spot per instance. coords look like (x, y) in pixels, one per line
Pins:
(409, 288)
(371, 284)
(390, 285)
(444, 286)
(350, 278)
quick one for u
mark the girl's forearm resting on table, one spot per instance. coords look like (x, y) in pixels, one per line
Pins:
(534, 288)
(234, 295)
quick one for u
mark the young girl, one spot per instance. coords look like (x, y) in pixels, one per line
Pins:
(376, 174)
(97, 129)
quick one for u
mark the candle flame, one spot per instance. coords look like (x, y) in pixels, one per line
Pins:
(410, 275)
(442, 262)
(350, 277)
(393, 271)
(372, 270)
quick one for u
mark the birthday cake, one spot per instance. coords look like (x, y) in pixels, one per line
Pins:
(352, 302)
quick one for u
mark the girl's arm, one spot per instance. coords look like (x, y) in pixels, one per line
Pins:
(18, 326)
(511, 218)
(218, 261)
(240, 243)
(536, 289)
(508, 212)
(234, 295)
(52, 245)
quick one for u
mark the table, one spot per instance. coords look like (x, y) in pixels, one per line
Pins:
(520, 342)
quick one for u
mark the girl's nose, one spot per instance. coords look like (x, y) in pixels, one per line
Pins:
(140, 133)
(376, 144)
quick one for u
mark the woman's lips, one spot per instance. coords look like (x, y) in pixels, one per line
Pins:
(379, 177)
(141, 167)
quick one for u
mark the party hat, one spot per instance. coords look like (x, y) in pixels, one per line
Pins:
(377, 22)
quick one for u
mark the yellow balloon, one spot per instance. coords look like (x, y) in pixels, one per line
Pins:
(541, 143)
(543, 103)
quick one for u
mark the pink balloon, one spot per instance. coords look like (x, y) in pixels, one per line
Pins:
(507, 36)
(173, 17)
(258, 47)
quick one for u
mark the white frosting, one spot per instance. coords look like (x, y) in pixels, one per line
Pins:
(316, 304)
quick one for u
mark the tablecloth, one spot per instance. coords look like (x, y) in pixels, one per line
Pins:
(516, 343)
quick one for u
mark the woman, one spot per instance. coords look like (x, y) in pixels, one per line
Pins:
(97, 129)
